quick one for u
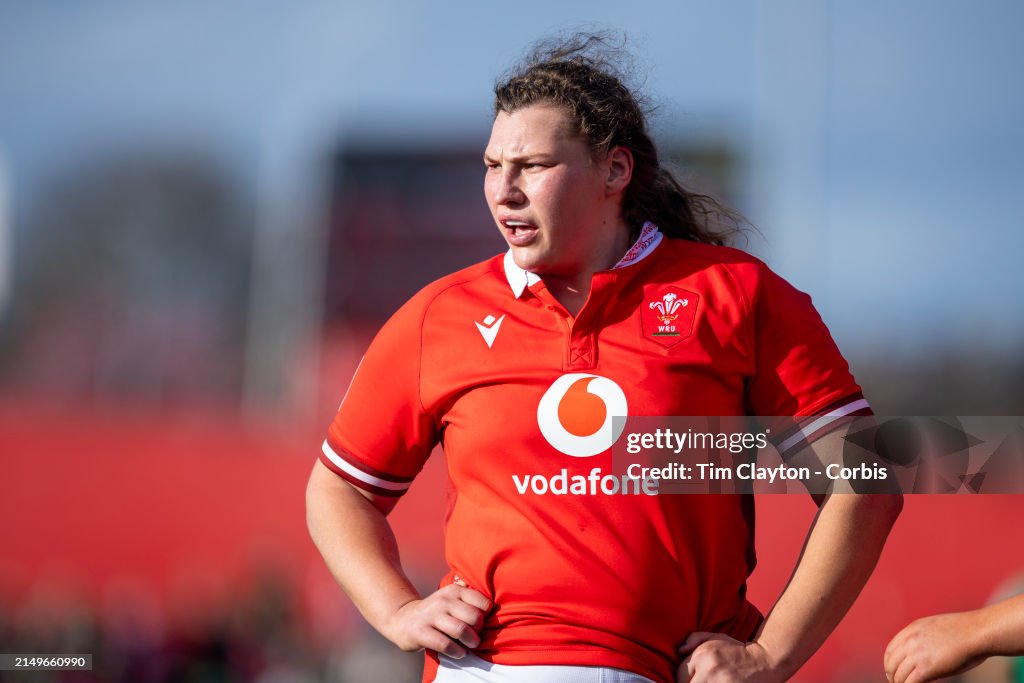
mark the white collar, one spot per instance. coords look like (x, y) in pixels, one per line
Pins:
(518, 279)
(650, 237)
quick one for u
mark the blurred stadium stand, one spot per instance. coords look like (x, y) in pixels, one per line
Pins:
(151, 523)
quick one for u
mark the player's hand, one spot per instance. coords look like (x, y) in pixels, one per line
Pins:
(931, 648)
(448, 621)
(717, 658)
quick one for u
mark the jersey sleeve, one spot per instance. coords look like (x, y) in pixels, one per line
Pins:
(802, 382)
(381, 435)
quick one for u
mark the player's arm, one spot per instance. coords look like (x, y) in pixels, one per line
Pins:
(350, 529)
(948, 644)
(839, 554)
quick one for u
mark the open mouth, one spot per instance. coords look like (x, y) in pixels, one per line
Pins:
(519, 233)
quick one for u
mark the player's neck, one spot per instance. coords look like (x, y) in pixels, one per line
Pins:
(571, 293)
(572, 290)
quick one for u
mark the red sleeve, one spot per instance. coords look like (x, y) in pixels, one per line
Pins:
(381, 435)
(800, 372)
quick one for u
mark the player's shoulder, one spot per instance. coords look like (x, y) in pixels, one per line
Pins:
(711, 254)
(743, 268)
(480, 280)
(727, 274)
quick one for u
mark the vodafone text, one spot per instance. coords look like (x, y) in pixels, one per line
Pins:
(590, 485)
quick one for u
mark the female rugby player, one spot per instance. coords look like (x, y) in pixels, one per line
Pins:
(614, 298)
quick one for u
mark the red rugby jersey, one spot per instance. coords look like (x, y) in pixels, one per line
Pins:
(479, 360)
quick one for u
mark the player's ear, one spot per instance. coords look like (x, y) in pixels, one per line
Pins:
(620, 170)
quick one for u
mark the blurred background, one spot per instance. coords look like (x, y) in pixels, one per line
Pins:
(207, 209)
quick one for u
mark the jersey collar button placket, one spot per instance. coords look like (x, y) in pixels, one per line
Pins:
(583, 349)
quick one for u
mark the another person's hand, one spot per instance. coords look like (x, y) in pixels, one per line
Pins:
(447, 621)
(717, 658)
(931, 648)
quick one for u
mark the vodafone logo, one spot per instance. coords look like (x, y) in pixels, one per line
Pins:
(575, 414)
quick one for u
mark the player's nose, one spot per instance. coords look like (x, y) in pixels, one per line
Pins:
(506, 189)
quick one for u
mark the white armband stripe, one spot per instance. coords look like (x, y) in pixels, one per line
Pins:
(354, 471)
(822, 422)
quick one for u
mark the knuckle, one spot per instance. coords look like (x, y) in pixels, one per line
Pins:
(425, 636)
(436, 641)
(716, 660)
(413, 640)
(471, 615)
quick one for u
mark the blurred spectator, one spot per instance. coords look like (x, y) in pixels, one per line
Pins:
(256, 633)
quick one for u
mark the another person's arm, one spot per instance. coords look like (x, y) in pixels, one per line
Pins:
(948, 644)
(350, 529)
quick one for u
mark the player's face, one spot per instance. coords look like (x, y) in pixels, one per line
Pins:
(545, 190)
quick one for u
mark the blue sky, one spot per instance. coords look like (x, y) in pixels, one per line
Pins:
(881, 142)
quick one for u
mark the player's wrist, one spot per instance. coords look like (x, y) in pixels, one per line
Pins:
(980, 632)
(778, 664)
(391, 621)
(393, 624)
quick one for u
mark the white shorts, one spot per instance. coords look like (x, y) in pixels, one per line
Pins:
(472, 669)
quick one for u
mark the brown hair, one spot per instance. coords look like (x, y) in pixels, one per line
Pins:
(579, 73)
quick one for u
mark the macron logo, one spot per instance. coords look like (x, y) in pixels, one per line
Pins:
(489, 329)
